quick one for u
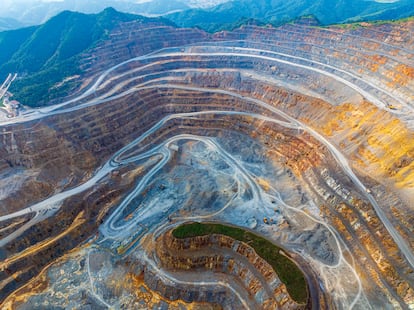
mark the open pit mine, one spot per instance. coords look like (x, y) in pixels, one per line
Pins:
(300, 135)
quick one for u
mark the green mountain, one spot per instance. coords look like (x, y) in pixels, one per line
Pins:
(37, 14)
(44, 55)
(280, 11)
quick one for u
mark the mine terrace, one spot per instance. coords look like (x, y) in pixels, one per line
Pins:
(300, 134)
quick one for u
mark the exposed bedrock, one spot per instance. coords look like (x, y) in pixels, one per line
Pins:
(51, 233)
(222, 254)
(300, 154)
(330, 110)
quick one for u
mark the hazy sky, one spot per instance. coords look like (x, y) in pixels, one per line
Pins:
(10, 2)
(6, 5)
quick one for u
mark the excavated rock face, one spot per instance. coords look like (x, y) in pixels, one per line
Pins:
(303, 134)
(222, 254)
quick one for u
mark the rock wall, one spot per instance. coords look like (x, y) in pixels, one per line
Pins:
(238, 260)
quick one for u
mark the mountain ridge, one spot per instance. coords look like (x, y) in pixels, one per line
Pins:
(278, 12)
(7, 23)
(44, 56)
(47, 54)
(38, 14)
